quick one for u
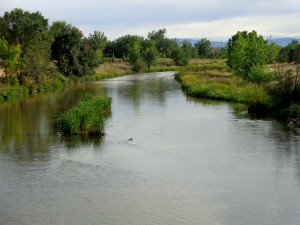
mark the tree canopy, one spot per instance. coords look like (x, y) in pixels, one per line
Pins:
(247, 56)
(204, 48)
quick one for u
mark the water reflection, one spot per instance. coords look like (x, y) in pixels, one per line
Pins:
(28, 127)
(190, 161)
(287, 146)
(80, 141)
(136, 88)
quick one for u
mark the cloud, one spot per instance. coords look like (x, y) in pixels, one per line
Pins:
(192, 18)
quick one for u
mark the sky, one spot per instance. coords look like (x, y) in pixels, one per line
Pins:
(215, 20)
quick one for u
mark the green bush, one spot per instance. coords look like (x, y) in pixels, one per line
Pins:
(87, 116)
(285, 89)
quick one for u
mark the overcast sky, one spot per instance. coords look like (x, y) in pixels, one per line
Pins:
(212, 19)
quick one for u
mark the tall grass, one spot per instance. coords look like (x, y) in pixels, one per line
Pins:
(87, 117)
(214, 82)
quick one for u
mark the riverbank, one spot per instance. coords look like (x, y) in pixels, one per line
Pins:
(211, 79)
(108, 69)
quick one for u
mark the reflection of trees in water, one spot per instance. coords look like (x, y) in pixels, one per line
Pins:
(150, 87)
(27, 127)
(77, 141)
(287, 141)
(275, 139)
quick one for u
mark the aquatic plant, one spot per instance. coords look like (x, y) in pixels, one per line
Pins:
(87, 117)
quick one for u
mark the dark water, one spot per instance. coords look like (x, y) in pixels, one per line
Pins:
(190, 162)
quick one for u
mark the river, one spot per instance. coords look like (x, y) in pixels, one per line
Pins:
(189, 162)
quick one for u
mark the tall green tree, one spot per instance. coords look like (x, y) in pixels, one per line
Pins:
(188, 49)
(164, 45)
(97, 42)
(247, 56)
(66, 48)
(118, 47)
(150, 56)
(31, 32)
(134, 53)
(20, 27)
(273, 51)
(10, 60)
(204, 48)
(290, 53)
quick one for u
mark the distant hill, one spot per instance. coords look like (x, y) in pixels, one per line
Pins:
(284, 41)
(214, 44)
(217, 44)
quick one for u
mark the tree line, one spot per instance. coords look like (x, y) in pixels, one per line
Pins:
(31, 48)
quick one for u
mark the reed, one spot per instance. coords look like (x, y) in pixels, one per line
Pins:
(87, 117)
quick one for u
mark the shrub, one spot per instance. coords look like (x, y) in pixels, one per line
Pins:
(285, 89)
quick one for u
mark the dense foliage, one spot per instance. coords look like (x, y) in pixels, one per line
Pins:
(31, 50)
(247, 56)
(290, 53)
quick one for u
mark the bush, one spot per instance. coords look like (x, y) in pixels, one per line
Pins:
(259, 74)
(138, 65)
(285, 89)
(87, 117)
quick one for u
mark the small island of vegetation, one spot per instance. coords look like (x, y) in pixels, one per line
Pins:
(87, 117)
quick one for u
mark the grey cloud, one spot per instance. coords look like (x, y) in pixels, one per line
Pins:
(135, 14)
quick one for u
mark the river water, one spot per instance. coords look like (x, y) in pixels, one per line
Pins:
(189, 162)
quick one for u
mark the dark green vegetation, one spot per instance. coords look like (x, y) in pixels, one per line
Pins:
(87, 117)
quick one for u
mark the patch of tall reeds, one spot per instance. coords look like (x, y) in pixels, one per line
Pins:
(87, 117)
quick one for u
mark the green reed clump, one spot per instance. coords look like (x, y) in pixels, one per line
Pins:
(87, 117)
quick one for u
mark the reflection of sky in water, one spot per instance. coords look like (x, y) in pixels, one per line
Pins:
(190, 161)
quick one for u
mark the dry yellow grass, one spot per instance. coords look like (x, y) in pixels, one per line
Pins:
(112, 67)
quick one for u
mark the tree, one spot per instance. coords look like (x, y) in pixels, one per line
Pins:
(273, 51)
(188, 49)
(31, 32)
(119, 47)
(66, 48)
(204, 48)
(290, 53)
(10, 60)
(247, 56)
(98, 42)
(164, 45)
(150, 56)
(20, 27)
(134, 53)
(179, 57)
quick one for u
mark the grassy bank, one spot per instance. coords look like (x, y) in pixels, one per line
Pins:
(87, 117)
(29, 87)
(116, 68)
(210, 79)
(108, 69)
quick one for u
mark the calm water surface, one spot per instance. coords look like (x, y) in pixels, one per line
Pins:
(190, 162)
